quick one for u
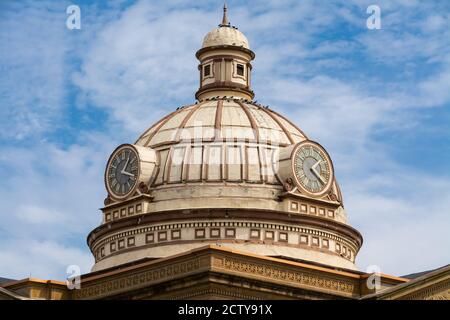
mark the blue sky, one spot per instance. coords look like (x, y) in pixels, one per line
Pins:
(378, 100)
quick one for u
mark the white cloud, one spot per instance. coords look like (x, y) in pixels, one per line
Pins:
(139, 65)
(23, 258)
(403, 217)
(32, 53)
(50, 198)
(436, 89)
(37, 215)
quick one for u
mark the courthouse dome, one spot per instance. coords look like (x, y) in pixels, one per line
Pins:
(222, 171)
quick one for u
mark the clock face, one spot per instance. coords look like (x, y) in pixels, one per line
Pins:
(312, 168)
(122, 172)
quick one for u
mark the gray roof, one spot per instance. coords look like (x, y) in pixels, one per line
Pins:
(419, 274)
(5, 280)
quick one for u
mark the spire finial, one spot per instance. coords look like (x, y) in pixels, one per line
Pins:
(225, 22)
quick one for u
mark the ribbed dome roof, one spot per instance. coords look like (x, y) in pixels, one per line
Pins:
(225, 36)
(235, 128)
(223, 120)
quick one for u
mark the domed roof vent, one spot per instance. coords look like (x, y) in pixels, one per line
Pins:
(225, 35)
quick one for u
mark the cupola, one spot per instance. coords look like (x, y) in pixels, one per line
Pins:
(225, 63)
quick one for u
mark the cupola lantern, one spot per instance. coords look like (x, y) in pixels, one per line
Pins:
(225, 63)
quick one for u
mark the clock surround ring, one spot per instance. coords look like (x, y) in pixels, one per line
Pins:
(327, 157)
(111, 193)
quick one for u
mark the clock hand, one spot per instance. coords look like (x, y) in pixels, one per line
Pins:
(317, 175)
(316, 164)
(125, 166)
(313, 169)
(127, 173)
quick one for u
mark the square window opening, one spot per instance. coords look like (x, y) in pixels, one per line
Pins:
(240, 70)
(207, 70)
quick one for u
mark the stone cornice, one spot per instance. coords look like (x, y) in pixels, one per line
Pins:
(227, 47)
(225, 85)
(127, 201)
(253, 268)
(260, 215)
